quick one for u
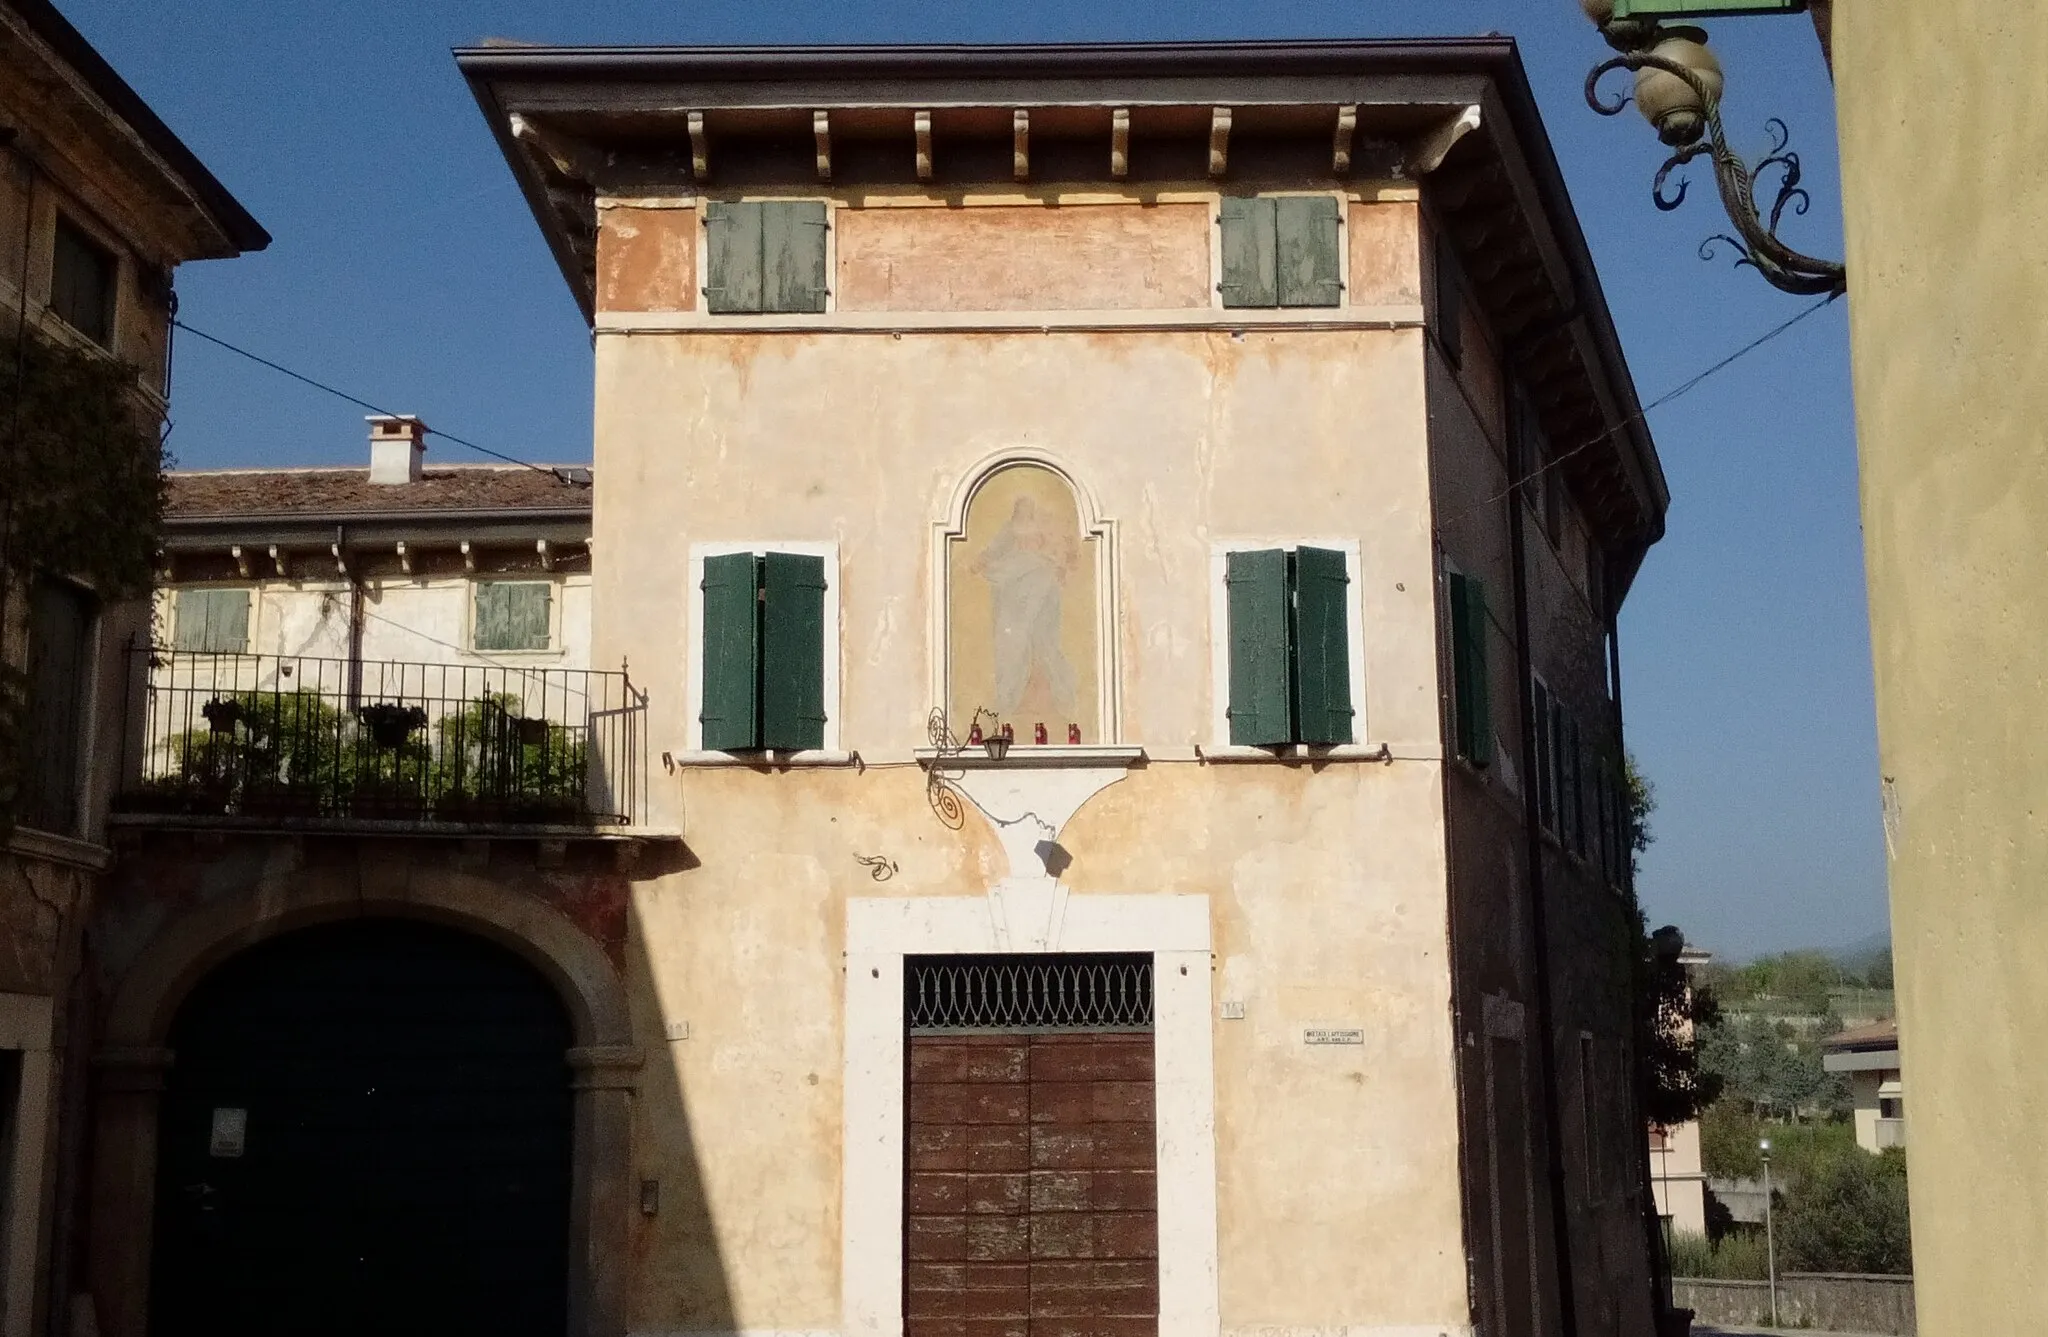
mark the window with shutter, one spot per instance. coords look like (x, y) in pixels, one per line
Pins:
(1470, 688)
(513, 615)
(1281, 251)
(765, 256)
(1307, 230)
(1450, 301)
(1289, 648)
(765, 677)
(1574, 791)
(1322, 647)
(1261, 695)
(1546, 785)
(82, 283)
(792, 652)
(59, 657)
(210, 621)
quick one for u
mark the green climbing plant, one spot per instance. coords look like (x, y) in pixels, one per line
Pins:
(75, 433)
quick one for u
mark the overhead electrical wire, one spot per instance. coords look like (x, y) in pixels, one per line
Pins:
(1641, 414)
(360, 402)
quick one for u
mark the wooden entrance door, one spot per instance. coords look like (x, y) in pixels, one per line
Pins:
(1031, 1201)
(366, 1130)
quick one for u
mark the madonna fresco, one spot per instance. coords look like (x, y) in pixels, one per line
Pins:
(1022, 623)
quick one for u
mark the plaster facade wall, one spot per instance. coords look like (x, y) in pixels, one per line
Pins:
(1337, 1167)
(428, 620)
(1946, 287)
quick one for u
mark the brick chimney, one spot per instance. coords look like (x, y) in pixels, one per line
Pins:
(397, 444)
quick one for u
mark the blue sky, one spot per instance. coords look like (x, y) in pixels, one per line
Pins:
(407, 270)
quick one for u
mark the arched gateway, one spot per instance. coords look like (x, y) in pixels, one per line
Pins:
(236, 1131)
(366, 1130)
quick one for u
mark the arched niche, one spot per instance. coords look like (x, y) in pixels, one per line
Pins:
(1025, 619)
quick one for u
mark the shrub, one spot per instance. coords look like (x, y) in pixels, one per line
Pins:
(1848, 1215)
(1740, 1256)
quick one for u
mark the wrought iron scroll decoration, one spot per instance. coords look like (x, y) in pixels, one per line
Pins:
(1756, 241)
(939, 790)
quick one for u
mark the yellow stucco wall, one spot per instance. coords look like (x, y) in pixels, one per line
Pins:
(1337, 1168)
(1944, 121)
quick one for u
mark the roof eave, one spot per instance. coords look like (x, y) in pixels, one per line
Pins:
(238, 227)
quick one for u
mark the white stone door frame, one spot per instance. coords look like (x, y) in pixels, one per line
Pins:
(1028, 915)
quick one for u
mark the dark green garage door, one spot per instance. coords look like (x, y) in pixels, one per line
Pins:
(366, 1131)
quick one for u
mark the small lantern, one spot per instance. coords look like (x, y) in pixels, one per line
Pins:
(997, 744)
(1666, 100)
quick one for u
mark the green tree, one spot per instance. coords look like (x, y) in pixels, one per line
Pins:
(1848, 1214)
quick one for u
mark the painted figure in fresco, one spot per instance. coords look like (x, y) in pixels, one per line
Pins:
(1026, 566)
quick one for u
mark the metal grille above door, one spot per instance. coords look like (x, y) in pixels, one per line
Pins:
(1024, 995)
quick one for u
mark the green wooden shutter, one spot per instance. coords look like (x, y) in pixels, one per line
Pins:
(1309, 270)
(1250, 252)
(212, 621)
(792, 652)
(512, 615)
(1546, 788)
(732, 653)
(1470, 686)
(793, 255)
(1261, 704)
(1322, 646)
(733, 268)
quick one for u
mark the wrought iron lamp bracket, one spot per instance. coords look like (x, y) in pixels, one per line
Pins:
(1755, 241)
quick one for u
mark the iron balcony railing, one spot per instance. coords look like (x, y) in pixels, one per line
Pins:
(270, 737)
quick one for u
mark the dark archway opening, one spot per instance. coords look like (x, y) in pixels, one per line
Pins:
(366, 1129)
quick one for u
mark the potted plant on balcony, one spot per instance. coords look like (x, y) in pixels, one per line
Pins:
(390, 723)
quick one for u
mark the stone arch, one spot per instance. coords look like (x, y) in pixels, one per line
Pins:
(193, 944)
(132, 1062)
(1099, 535)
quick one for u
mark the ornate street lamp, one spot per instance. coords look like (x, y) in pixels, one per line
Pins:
(1678, 89)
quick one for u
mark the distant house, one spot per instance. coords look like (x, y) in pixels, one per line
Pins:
(1678, 1180)
(1870, 1057)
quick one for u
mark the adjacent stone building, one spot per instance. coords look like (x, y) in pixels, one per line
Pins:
(99, 203)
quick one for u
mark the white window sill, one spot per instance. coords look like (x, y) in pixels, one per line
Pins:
(975, 757)
(1310, 754)
(769, 760)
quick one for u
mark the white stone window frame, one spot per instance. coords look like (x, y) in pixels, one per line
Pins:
(1220, 748)
(951, 528)
(249, 629)
(694, 752)
(702, 279)
(1269, 313)
(555, 649)
(881, 933)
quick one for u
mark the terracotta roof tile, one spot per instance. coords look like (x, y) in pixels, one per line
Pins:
(201, 494)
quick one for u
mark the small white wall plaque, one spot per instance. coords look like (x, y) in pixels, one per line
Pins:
(1332, 1035)
(677, 1030)
(230, 1132)
(1233, 1010)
